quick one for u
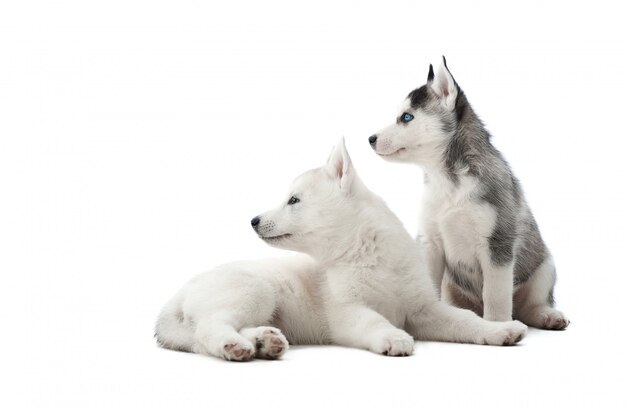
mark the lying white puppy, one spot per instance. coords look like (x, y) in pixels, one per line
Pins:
(367, 286)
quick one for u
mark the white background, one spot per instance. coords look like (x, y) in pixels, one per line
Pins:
(138, 138)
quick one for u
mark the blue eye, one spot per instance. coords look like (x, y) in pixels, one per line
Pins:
(407, 117)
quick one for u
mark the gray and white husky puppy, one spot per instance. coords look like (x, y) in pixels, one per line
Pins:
(475, 223)
(364, 283)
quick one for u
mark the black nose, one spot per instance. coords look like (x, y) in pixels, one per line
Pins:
(372, 139)
(255, 221)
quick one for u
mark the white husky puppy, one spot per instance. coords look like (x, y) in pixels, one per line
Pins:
(366, 285)
(476, 225)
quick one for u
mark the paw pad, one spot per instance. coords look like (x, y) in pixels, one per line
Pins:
(237, 352)
(271, 344)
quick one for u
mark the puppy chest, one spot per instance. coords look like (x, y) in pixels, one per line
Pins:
(463, 230)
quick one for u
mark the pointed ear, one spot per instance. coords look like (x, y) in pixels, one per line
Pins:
(443, 85)
(339, 165)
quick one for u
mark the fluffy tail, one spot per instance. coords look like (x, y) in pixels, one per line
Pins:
(171, 330)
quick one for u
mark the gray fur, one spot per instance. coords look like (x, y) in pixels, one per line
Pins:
(469, 151)
(478, 230)
(458, 273)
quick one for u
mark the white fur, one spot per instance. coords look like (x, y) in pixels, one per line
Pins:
(365, 286)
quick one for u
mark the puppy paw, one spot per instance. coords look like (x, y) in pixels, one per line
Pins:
(396, 344)
(544, 317)
(270, 343)
(505, 333)
(238, 351)
(552, 319)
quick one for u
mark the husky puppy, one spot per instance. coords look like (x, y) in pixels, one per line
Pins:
(365, 284)
(475, 222)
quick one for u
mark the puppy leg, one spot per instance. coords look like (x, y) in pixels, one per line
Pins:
(435, 261)
(497, 288)
(240, 301)
(441, 322)
(534, 302)
(360, 327)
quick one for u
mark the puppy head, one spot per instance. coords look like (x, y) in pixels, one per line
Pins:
(424, 123)
(315, 208)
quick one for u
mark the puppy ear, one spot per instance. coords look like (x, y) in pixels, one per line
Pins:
(443, 85)
(339, 165)
(431, 73)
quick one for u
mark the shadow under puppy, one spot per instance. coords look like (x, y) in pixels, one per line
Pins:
(363, 284)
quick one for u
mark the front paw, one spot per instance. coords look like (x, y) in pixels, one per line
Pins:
(505, 334)
(396, 344)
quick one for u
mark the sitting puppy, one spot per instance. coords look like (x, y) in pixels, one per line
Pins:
(476, 224)
(367, 286)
